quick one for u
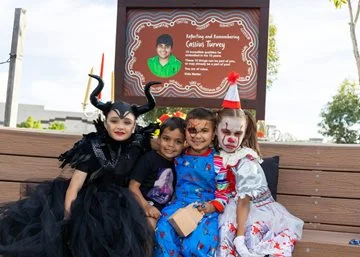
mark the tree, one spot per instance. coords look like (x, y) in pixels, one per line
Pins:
(341, 116)
(30, 123)
(352, 24)
(272, 56)
(272, 71)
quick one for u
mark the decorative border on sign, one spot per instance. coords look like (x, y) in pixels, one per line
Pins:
(246, 20)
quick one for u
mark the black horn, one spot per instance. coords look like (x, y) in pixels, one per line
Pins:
(94, 95)
(150, 98)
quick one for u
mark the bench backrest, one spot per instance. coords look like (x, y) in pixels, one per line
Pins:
(29, 156)
(320, 184)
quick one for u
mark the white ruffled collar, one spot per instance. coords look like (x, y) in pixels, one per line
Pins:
(232, 159)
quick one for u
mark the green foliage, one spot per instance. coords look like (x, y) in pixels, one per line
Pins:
(154, 114)
(56, 125)
(341, 116)
(338, 3)
(30, 123)
(272, 55)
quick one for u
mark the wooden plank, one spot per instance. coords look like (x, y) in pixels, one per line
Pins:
(319, 183)
(30, 169)
(332, 211)
(329, 244)
(35, 143)
(335, 157)
(313, 249)
(333, 228)
(9, 191)
(305, 156)
(328, 237)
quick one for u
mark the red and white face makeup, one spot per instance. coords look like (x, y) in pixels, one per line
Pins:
(120, 129)
(199, 135)
(230, 133)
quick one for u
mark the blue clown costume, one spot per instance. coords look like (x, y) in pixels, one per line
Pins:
(198, 180)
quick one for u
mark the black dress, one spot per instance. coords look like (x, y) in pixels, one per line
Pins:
(105, 218)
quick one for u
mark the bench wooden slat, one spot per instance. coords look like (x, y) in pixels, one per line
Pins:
(323, 210)
(330, 244)
(9, 191)
(21, 168)
(319, 183)
(13, 191)
(328, 237)
(34, 143)
(334, 228)
(315, 156)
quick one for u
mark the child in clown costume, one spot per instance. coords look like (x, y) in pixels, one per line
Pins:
(197, 182)
(253, 224)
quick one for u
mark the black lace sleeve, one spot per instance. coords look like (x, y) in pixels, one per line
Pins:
(81, 156)
(143, 135)
(97, 152)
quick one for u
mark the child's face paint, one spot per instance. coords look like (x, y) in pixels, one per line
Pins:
(120, 129)
(230, 132)
(199, 135)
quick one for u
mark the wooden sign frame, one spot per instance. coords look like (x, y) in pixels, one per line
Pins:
(124, 6)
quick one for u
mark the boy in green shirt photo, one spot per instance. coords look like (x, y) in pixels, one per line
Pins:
(164, 64)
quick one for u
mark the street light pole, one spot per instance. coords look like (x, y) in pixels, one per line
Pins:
(15, 67)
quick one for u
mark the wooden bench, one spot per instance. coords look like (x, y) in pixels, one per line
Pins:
(321, 185)
(29, 156)
(318, 183)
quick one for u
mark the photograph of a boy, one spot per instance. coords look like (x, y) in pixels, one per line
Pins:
(164, 64)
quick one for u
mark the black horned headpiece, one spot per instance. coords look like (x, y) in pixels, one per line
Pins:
(122, 107)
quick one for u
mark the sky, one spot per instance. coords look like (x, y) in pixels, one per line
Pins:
(65, 38)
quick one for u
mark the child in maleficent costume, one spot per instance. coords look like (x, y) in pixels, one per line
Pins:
(93, 214)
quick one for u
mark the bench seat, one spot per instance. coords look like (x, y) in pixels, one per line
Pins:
(318, 183)
(326, 244)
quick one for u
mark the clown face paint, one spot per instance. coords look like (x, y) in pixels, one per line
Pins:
(230, 132)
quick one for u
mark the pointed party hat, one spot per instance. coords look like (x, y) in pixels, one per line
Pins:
(232, 99)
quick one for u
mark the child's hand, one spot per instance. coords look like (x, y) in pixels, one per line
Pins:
(206, 207)
(67, 214)
(153, 212)
(240, 246)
